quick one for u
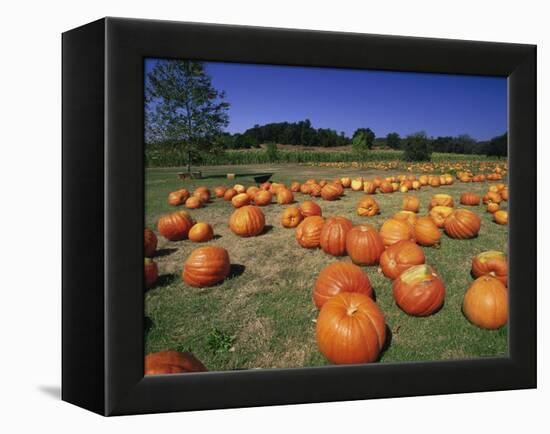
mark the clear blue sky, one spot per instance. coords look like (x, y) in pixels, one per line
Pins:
(344, 99)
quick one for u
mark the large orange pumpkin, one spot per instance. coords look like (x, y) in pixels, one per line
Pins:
(308, 233)
(340, 277)
(333, 235)
(439, 214)
(219, 191)
(364, 245)
(150, 242)
(491, 263)
(470, 199)
(295, 187)
(393, 231)
(410, 203)
(426, 232)
(247, 221)
(350, 329)
(369, 187)
(309, 208)
(386, 187)
(172, 362)
(501, 217)
(150, 272)
(368, 206)
(176, 198)
(206, 266)
(201, 232)
(262, 198)
(291, 217)
(492, 207)
(330, 191)
(346, 181)
(193, 202)
(229, 194)
(284, 196)
(419, 291)
(174, 226)
(486, 303)
(441, 200)
(202, 193)
(240, 200)
(315, 190)
(399, 257)
(492, 197)
(408, 216)
(462, 224)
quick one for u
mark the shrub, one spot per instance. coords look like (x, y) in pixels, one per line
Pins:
(417, 148)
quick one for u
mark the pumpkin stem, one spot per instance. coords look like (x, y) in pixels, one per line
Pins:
(352, 310)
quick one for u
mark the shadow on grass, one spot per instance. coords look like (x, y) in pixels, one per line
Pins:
(165, 279)
(165, 252)
(387, 343)
(236, 270)
(267, 229)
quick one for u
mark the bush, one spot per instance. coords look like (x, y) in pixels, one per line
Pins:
(271, 152)
(417, 147)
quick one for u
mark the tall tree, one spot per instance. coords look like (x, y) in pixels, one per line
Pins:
(498, 146)
(183, 107)
(393, 141)
(362, 141)
(417, 147)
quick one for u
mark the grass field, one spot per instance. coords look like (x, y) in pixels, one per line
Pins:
(262, 316)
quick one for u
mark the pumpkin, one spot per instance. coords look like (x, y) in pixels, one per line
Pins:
(435, 182)
(364, 245)
(193, 202)
(315, 190)
(206, 266)
(340, 277)
(308, 233)
(426, 232)
(265, 186)
(295, 187)
(203, 194)
(350, 329)
(368, 207)
(346, 181)
(220, 191)
(486, 303)
(403, 188)
(386, 187)
(251, 191)
(400, 257)
(493, 207)
(262, 198)
(393, 231)
(229, 194)
(441, 200)
(239, 188)
(410, 203)
(333, 235)
(416, 185)
(369, 187)
(501, 217)
(423, 179)
(291, 217)
(309, 208)
(419, 291)
(284, 196)
(247, 221)
(504, 193)
(172, 362)
(150, 242)
(357, 184)
(377, 181)
(240, 200)
(151, 273)
(201, 232)
(462, 224)
(174, 226)
(470, 199)
(491, 263)
(305, 188)
(330, 192)
(175, 198)
(323, 182)
(408, 216)
(492, 197)
(439, 214)
(395, 186)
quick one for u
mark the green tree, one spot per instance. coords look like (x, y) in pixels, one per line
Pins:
(393, 140)
(417, 147)
(272, 152)
(182, 106)
(497, 146)
(362, 141)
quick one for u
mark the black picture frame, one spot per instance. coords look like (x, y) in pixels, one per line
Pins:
(103, 202)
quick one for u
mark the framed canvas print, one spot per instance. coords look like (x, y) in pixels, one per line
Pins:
(257, 216)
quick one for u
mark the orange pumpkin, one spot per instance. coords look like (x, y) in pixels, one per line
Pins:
(346, 181)
(202, 193)
(262, 198)
(295, 187)
(492, 197)
(368, 207)
(247, 221)
(364, 245)
(174, 226)
(193, 202)
(265, 186)
(330, 192)
(239, 188)
(501, 217)
(386, 187)
(315, 190)
(150, 243)
(340, 277)
(252, 190)
(486, 303)
(333, 235)
(492, 207)
(220, 191)
(408, 216)
(426, 232)
(308, 233)
(441, 200)
(491, 263)
(284, 196)
(172, 362)
(240, 200)
(419, 291)
(229, 194)
(176, 198)
(305, 188)
(410, 203)
(350, 329)
(393, 231)
(206, 266)
(399, 257)
(470, 199)
(369, 187)
(439, 214)
(291, 217)
(151, 273)
(309, 208)
(201, 232)
(462, 224)
(504, 193)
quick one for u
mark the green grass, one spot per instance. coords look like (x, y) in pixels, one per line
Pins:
(263, 315)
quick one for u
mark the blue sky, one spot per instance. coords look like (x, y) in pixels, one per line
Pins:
(344, 99)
